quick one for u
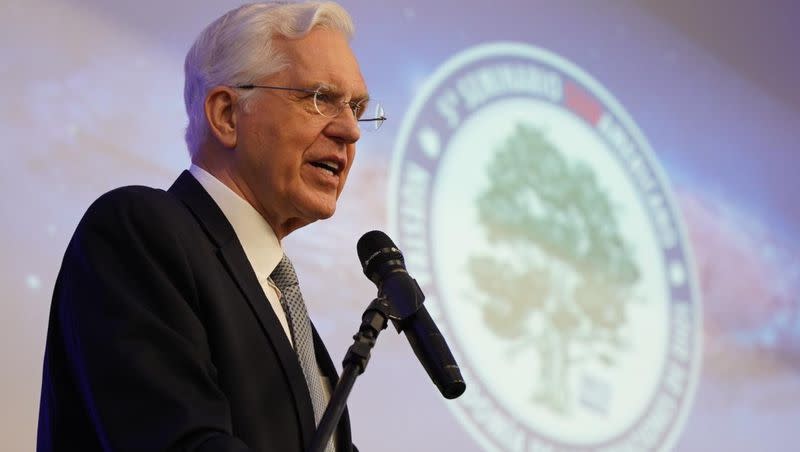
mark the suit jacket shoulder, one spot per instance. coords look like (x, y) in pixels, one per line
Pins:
(161, 339)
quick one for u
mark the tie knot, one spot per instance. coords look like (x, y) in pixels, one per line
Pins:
(284, 276)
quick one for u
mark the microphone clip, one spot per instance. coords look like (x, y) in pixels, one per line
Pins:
(404, 297)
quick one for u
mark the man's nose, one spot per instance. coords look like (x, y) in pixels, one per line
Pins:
(344, 127)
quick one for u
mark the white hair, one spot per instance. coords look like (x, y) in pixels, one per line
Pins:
(238, 49)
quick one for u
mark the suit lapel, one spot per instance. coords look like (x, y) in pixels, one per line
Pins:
(232, 255)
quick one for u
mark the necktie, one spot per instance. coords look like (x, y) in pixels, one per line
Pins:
(285, 278)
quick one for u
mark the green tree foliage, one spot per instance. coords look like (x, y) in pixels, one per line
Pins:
(537, 199)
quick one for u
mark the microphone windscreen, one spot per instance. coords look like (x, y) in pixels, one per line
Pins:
(372, 242)
(378, 256)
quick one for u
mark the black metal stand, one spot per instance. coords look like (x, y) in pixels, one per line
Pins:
(373, 321)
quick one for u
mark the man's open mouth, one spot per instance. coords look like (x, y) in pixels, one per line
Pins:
(331, 167)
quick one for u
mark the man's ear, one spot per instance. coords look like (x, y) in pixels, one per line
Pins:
(221, 114)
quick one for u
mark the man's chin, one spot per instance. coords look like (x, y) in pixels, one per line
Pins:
(325, 208)
(326, 214)
(319, 210)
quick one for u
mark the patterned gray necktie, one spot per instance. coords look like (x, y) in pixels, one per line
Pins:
(300, 326)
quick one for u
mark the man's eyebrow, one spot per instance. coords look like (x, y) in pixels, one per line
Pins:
(360, 99)
(333, 88)
(326, 86)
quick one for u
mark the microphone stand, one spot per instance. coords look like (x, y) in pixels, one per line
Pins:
(373, 321)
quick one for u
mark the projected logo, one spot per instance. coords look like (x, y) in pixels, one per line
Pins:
(536, 219)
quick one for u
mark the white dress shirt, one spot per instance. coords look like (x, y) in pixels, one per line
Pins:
(260, 244)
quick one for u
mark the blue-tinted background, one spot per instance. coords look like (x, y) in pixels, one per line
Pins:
(92, 99)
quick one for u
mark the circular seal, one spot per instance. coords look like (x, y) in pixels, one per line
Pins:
(543, 232)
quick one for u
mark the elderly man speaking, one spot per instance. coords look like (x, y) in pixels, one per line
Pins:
(177, 322)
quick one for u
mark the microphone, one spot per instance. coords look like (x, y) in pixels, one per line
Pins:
(383, 263)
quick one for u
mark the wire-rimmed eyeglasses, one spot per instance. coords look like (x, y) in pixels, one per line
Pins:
(330, 105)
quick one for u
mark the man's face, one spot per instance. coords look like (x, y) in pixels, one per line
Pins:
(285, 149)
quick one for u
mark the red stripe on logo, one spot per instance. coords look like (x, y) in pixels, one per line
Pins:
(582, 103)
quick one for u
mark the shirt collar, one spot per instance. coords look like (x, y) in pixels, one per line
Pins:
(262, 247)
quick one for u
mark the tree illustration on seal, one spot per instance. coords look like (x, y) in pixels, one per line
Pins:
(566, 293)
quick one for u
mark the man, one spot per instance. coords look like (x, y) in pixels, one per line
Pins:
(176, 321)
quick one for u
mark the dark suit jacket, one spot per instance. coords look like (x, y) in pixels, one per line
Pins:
(161, 337)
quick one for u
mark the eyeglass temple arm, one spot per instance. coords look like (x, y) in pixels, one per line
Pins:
(379, 118)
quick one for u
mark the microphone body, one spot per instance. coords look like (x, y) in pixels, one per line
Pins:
(383, 263)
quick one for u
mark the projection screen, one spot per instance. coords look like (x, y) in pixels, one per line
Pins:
(599, 200)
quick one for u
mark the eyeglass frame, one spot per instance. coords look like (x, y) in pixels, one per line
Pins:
(354, 106)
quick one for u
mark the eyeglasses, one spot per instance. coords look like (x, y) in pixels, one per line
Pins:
(330, 105)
